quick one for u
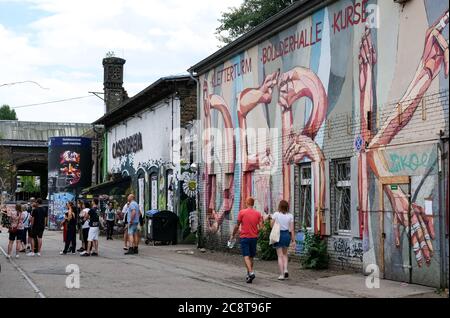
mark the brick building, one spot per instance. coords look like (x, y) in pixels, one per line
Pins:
(340, 108)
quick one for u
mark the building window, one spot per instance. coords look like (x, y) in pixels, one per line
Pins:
(170, 184)
(153, 191)
(305, 196)
(342, 195)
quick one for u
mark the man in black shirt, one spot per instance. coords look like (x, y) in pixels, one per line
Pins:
(38, 221)
(94, 223)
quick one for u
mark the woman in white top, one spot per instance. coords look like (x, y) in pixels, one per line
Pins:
(287, 236)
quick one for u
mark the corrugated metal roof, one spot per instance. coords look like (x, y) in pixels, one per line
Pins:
(40, 131)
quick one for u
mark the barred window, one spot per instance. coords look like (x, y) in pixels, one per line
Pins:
(342, 195)
(305, 196)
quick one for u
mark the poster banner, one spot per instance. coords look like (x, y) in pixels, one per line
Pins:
(69, 171)
(154, 191)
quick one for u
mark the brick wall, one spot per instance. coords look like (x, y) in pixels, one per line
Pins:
(188, 96)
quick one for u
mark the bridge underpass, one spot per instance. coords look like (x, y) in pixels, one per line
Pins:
(24, 152)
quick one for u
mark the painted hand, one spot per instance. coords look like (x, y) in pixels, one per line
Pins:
(436, 48)
(267, 87)
(422, 232)
(422, 229)
(367, 58)
(301, 146)
(298, 83)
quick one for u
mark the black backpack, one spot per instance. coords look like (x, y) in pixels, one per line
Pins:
(141, 219)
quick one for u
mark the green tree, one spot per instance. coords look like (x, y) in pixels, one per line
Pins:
(238, 21)
(6, 170)
(266, 251)
(28, 184)
(7, 113)
(315, 255)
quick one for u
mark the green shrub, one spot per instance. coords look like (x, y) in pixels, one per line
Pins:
(315, 255)
(265, 251)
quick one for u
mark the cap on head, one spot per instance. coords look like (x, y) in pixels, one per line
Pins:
(250, 202)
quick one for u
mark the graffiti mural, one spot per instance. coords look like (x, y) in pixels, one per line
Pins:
(188, 207)
(298, 85)
(348, 249)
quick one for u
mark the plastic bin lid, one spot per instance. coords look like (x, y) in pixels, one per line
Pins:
(151, 212)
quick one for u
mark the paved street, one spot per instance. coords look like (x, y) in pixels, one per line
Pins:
(168, 271)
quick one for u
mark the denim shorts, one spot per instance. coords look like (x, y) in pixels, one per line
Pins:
(248, 246)
(16, 236)
(285, 240)
(132, 228)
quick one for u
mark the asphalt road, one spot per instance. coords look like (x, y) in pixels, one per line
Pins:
(171, 272)
(167, 272)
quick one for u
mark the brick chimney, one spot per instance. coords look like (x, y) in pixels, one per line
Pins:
(113, 83)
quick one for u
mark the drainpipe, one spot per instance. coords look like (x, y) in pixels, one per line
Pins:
(443, 198)
(198, 206)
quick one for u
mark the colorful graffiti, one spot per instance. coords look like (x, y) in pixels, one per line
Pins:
(347, 248)
(299, 88)
(435, 55)
(58, 207)
(70, 162)
(188, 207)
(166, 188)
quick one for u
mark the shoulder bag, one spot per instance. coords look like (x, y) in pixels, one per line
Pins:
(275, 233)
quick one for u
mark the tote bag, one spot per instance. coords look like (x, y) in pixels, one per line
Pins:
(274, 234)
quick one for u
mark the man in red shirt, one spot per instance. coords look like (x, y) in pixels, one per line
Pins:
(250, 222)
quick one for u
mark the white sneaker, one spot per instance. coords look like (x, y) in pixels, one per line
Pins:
(30, 254)
(281, 277)
(8, 256)
(38, 254)
(17, 255)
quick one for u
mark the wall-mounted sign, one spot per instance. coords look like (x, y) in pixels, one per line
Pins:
(127, 146)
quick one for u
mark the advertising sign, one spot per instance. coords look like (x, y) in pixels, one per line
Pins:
(69, 171)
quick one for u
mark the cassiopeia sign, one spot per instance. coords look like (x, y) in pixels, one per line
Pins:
(127, 146)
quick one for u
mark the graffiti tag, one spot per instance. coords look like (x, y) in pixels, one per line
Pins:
(410, 162)
(348, 248)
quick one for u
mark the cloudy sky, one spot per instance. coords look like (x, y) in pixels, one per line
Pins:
(60, 45)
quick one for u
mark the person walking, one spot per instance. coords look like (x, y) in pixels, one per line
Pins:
(15, 230)
(133, 223)
(94, 223)
(125, 225)
(250, 221)
(84, 226)
(26, 234)
(30, 207)
(287, 236)
(110, 220)
(70, 220)
(39, 218)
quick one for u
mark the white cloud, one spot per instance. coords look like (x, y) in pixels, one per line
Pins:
(64, 49)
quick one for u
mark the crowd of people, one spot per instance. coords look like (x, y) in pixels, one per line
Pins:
(27, 223)
(26, 227)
